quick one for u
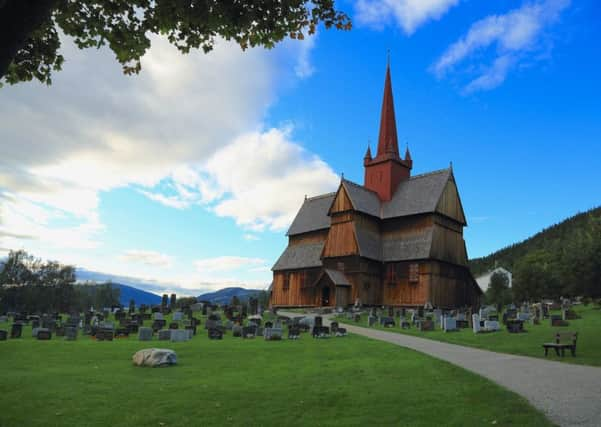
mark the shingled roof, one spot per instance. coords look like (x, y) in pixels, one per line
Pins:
(408, 248)
(313, 215)
(337, 277)
(300, 256)
(369, 244)
(418, 194)
(363, 200)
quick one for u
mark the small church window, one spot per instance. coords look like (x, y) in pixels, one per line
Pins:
(414, 273)
(391, 276)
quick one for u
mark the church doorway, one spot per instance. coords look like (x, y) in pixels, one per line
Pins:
(325, 296)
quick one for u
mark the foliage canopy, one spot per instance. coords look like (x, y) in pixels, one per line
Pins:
(29, 29)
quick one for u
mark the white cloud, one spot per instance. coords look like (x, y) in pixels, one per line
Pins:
(267, 190)
(408, 14)
(259, 180)
(151, 258)
(304, 68)
(95, 130)
(514, 35)
(249, 236)
(226, 263)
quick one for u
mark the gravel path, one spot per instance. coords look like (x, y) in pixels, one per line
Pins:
(570, 395)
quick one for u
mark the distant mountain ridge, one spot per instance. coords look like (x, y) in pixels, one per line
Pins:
(558, 237)
(224, 296)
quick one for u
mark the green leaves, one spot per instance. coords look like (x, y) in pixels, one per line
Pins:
(125, 26)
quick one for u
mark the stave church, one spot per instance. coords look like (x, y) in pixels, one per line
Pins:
(396, 240)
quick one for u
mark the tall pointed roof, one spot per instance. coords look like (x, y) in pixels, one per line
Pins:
(387, 141)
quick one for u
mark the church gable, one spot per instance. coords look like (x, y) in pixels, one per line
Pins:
(341, 240)
(449, 203)
(341, 202)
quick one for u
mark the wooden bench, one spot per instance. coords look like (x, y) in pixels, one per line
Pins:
(563, 340)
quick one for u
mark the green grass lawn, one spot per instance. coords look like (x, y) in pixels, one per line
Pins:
(588, 351)
(339, 381)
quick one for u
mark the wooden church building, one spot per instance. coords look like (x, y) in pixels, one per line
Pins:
(395, 240)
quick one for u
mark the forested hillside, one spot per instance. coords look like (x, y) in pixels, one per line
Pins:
(562, 260)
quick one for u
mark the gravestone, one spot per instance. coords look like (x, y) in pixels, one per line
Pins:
(164, 335)
(249, 331)
(306, 323)
(476, 323)
(425, 325)
(192, 330)
(178, 316)
(229, 325)
(215, 334)
(104, 335)
(450, 324)
(294, 332)
(268, 324)
(387, 322)
(356, 317)
(3, 335)
(340, 332)
(237, 331)
(70, 333)
(334, 327)
(371, 320)
(272, 334)
(158, 324)
(44, 334)
(145, 334)
(35, 323)
(132, 327)
(318, 321)
(59, 331)
(107, 325)
(179, 335)
(34, 331)
(158, 316)
(3, 319)
(320, 332)
(492, 325)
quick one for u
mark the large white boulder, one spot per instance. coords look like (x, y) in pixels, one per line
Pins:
(155, 357)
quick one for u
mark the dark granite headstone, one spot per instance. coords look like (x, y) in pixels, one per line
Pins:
(215, 333)
(294, 332)
(44, 334)
(16, 330)
(3, 335)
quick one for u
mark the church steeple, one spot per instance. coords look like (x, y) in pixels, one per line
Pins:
(367, 158)
(388, 141)
(387, 169)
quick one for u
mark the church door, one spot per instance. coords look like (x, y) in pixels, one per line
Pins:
(325, 296)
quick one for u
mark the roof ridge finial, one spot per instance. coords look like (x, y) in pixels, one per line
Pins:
(388, 57)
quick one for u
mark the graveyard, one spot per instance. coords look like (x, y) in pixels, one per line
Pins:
(341, 380)
(528, 342)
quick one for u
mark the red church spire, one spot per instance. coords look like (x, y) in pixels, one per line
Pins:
(386, 170)
(387, 141)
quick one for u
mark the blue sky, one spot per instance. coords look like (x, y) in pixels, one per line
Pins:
(190, 173)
